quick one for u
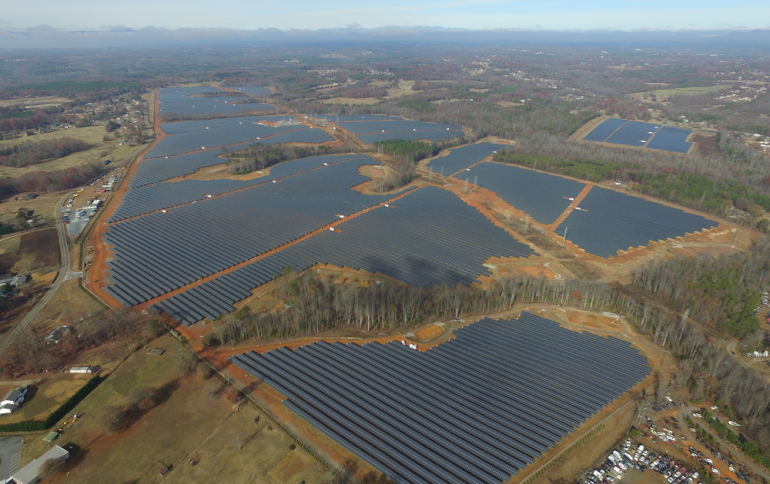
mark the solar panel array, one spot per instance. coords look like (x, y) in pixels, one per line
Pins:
(544, 197)
(184, 126)
(355, 117)
(387, 126)
(146, 199)
(645, 135)
(178, 100)
(161, 252)
(427, 238)
(671, 139)
(605, 130)
(478, 408)
(633, 133)
(434, 136)
(610, 221)
(156, 170)
(463, 157)
(188, 141)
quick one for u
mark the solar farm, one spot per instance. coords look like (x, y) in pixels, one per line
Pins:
(509, 390)
(181, 101)
(642, 135)
(487, 401)
(369, 129)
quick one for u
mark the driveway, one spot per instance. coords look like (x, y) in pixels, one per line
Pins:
(10, 453)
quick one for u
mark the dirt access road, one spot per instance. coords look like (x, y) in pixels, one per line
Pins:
(737, 454)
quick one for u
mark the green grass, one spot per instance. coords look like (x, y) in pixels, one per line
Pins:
(69, 87)
(18, 114)
(683, 91)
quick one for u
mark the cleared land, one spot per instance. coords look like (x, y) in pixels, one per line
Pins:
(194, 419)
(663, 94)
(35, 102)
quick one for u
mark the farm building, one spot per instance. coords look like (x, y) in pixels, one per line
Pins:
(30, 473)
(82, 369)
(12, 400)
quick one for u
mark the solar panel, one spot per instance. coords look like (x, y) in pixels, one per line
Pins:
(463, 157)
(492, 422)
(542, 196)
(643, 135)
(671, 139)
(610, 221)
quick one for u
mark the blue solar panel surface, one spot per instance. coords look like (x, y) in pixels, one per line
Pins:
(146, 199)
(409, 136)
(169, 250)
(354, 117)
(463, 157)
(646, 135)
(185, 126)
(633, 133)
(427, 238)
(155, 170)
(189, 141)
(508, 390)
(604, 130)
(671, 139)
(544, 197)
(364, 127)
(610, 221)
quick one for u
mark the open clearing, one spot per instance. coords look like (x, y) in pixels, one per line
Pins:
(69, 304)
(681, 91)
(31, 251)
(193, 420)
(35, 102)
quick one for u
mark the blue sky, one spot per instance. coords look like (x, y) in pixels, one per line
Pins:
(316, 14)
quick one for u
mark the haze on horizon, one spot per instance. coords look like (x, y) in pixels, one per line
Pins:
(89, 15)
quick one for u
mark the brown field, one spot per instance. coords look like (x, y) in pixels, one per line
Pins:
(193, 419)
(35, 102)
(352, 101)
(46, 395)
(69, 304)
(29, 251)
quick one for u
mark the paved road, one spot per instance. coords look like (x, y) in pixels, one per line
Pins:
(10, 453)
(60, 277)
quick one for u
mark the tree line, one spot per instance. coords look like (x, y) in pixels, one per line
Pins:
(32, 153)
(50, 181)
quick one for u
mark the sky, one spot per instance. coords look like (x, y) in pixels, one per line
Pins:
(315, 14)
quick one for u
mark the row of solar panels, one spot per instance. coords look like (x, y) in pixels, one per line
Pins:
(502, 401)
(151, 198)
(434, 136)
(184, 126)
(178, 101)
(187, 141)
(609, 221)
(388, 126)
(544, 197)
(160, 252)
(644, 135)
(461, 158)
(354, 117)
(427, 238)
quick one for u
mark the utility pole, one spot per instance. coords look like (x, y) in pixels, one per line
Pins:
(564, 240)
(476, 181)
(466, 185)
(430, 173)
(526, 225)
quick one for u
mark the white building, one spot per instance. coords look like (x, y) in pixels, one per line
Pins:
(30, 473)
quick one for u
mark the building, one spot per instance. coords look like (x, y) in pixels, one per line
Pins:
(82, 369)
(30, 473)
(12, 400)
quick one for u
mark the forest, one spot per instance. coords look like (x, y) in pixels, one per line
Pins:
(32, 153)
(50, 181)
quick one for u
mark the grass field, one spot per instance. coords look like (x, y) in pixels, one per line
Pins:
(662, 94)
(46, 395)
(34, 102)
(194, 419)
(31, 251)
(68, 305)
(102, 150)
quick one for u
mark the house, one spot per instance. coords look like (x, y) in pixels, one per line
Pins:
(12, 400)
(14, 397)
(30, 473)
